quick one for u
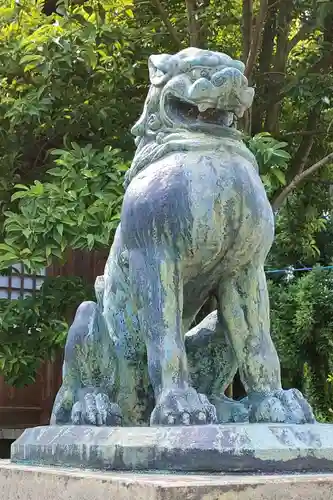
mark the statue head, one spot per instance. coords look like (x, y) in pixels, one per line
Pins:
(193, 87)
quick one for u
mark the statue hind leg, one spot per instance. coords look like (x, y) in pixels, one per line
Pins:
(213, 365)
(90, 370)
(244, 309)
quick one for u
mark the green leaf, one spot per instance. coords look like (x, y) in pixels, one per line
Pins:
(282, 154)
(92, 56)
(57, 253)
(8, 258)
(129, 13)
(5, 247)
(18, 195)
(57, 152)
(26, 232)
(280, 145)
(55, 172)
(60, 229)
(38, 188)
(29, 58)
(25, 251)
(91, 241)
(280, 176)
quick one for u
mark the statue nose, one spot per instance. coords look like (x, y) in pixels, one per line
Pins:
(231, 75)
(200, 89)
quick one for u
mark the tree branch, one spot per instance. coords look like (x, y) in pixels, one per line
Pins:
(303, 133)
(326, 61)
(256, 38)
(273, 5)
(193, 24)
(277, 202)
(165, 18)
(306, 144)
(302, 33)
(247, 18)
(301, 156)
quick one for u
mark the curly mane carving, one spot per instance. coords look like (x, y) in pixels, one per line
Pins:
(194, 90)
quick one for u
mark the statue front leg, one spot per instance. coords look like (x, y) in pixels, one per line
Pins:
(156, 284)
(244, 309)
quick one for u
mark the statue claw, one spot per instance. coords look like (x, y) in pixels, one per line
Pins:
(96, 409)
(281, 406)
(183, 407)
(89, 408)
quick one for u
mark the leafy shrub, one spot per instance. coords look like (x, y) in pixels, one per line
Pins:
(302, 326)
(34, 329)
(272, 158)
(63, 79)
(77, 206)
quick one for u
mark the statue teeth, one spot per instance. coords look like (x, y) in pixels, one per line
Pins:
(202, 107)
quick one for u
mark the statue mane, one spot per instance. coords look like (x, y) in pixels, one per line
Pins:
(196, 92)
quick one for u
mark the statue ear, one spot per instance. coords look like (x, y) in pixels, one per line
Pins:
(159, 69)
(239, 65)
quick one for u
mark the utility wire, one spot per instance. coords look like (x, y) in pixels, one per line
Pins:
(295, 270)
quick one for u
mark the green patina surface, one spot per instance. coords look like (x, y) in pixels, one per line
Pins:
(195, 222)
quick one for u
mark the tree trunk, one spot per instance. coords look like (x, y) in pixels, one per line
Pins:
(194, 27)
(247, 27)
(284, 19)
(265, 64)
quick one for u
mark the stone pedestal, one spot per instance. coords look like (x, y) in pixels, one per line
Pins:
(43, 483)
(246, 448)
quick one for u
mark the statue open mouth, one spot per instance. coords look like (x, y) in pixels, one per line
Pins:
(186, 112)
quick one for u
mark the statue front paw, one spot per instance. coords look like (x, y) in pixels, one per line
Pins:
(96, 409)
(289, 407)
(183, 407)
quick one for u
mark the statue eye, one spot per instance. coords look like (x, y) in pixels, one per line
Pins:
(200, 73)
(204, 73)
(218, 80)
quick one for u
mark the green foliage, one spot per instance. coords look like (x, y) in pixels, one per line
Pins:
(273, 160)
(303, 230)
(302, 325)
(63, 79)
(33, 329)
(73, 82)
(80, 76)
(77, 206)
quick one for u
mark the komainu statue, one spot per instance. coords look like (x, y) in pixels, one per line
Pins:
(195, 223)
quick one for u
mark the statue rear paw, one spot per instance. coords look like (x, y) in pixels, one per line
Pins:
(183, 407)
(87, 408)
(61, 411)
(96, 409)
(281, 406)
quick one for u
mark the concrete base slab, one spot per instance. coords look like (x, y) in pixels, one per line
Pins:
(210, 448)
(42, 483)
